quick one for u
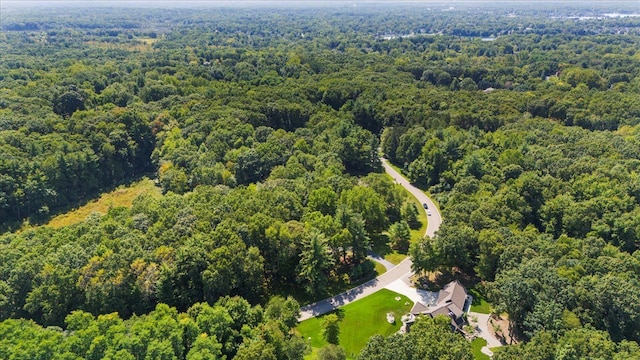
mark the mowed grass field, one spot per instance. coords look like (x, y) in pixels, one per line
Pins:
(359, 321)
(122, 196)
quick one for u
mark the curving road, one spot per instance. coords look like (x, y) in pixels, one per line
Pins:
(322, 307)
(434, 219)
(400, 271)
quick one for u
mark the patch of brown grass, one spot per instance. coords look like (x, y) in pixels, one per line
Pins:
(138, 44)
(122, 196)
(500, 329)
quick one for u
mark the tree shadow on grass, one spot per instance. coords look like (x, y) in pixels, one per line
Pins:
(338, 312)
(477, 297)
(415, 225)
(380, 245)
(334, 302)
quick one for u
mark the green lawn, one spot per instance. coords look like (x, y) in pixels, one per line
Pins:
(480, 303)
(359, 321)
(476, 346)
(381, 247)
(418, 234)
(380, 269)
(394, 257)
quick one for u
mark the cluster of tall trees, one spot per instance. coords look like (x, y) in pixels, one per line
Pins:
(228, 328)
(429, 338)
(250, 241)
(264, 137)
(51, 163)
(71, 73)
(543, 212)
(579, 343)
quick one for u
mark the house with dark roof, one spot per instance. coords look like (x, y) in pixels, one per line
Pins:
(452, 301)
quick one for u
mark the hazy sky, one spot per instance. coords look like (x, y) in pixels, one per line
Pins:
(8, 4)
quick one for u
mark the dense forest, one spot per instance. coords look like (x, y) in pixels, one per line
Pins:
(263, 128)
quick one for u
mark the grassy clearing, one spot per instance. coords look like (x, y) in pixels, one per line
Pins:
(380, 269)
(480, 303)
(476, 347)
(138, 45)
(395, 258)
(313, 355)
(122, 196)
(381, 247)
(359, 321)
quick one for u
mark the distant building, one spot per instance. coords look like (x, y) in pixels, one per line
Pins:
(452, 301)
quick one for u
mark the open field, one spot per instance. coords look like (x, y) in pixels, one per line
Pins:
(359, 321)
(122, 196)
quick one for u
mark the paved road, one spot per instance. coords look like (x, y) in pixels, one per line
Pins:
(379, 259)
(359, 292)
(435, 219)
(396, 279)
(400, 271)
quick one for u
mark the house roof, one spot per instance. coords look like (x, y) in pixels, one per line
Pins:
(443, 309)
(419, 308)
(453, 293)
(451, 300)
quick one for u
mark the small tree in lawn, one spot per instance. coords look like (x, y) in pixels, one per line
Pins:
(331, 328)
(400, 237)
(410, 214)
(332, 352)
